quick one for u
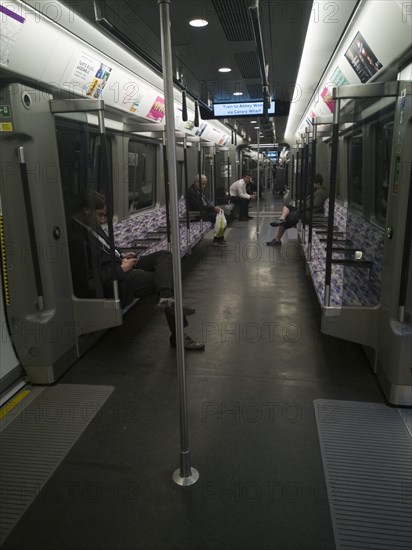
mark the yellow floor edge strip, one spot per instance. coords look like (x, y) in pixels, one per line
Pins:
(12, 403)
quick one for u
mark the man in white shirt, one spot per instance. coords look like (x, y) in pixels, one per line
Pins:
(238, 195)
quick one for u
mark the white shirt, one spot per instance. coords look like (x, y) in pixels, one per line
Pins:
(238, 189)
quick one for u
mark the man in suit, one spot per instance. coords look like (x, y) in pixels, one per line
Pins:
(137, 276)
(197, 202)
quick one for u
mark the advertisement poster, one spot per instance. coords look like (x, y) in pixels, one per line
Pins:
(11, 23)
(309, 118)
(337, 79)
(362, 59)
(91, 74)
(157, 111)
(137, 100)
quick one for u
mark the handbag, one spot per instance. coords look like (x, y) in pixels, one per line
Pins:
(220, 224)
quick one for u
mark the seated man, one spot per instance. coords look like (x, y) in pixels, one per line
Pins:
(137, 276)
(238, 195)
(290, 214)
(197, 202)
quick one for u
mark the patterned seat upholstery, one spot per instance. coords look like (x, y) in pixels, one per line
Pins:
(129, 231)
(351, 285)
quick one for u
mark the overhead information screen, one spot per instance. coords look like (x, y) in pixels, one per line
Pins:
(252, 108)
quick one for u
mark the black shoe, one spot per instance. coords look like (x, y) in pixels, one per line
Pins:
(250, 217)
(219, 242)
(168, 305)
(277, 223)
(189, 343)
(274, 242)
(244, 219)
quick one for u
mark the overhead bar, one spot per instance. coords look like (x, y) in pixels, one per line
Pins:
(144, 127)
(76, 105)
(359, 91)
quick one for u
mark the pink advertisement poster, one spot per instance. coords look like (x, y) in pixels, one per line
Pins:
(157, 111)
(326, 95)
(336, 80)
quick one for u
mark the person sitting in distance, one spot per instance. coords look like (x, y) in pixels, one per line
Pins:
(197, 202)
(137, 276)
(238, 195)
(290, 214)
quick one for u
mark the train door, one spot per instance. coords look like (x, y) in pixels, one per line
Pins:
(45, 316)
(364, 263)
(394, 355)
(141, 175)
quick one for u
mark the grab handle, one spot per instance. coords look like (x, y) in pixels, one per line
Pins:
(31, 228)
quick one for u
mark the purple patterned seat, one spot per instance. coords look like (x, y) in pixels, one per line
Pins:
(351, 285)
(129, 231)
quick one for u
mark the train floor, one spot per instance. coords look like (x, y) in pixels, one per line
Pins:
(251, 422)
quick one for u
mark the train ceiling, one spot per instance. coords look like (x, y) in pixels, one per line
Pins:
(227, 41)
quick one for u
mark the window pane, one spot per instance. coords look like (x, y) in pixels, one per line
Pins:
(382, 169)
(81, 168)
(142, 175)
(355, 172)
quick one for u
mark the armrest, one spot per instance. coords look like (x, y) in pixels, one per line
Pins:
(343, 241)
(353, 263)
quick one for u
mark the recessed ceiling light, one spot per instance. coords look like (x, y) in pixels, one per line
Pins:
(256, 127)
(237, 93)
(253, 121)
(198, 23)
(224, 70)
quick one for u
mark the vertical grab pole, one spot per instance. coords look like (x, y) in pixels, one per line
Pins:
(186, 190)
(31, 228)
(185, 475)
(167, 194)
(332, 193)
(305, 183)
(258, 183)
(228, 174)
(312, 174)
(297, 179)
(212, 185)
(108, 190)
(199, 171)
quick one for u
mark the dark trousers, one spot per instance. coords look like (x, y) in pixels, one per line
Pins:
(154, 275)
(243, 205)
(208, 216)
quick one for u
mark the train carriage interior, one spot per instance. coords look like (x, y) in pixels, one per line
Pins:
(206, 226)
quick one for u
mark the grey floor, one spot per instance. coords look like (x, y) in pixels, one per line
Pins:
(252, 429)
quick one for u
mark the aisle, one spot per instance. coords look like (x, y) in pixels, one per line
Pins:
(252, 429)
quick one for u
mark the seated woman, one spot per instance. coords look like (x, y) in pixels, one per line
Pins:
(290, 214)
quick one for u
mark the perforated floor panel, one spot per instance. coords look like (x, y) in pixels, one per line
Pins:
(34, 443)
(367, 459)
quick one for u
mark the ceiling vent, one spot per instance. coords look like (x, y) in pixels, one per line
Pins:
(234, 18)
(248, 64)
(144, 11)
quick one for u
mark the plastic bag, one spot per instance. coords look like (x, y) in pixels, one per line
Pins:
(220, 224)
